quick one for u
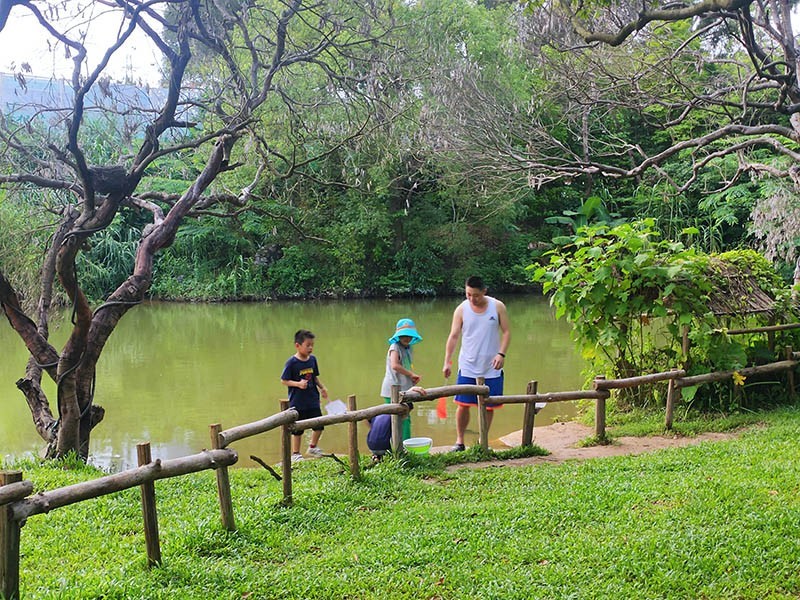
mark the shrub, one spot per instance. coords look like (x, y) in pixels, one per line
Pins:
(630, 295)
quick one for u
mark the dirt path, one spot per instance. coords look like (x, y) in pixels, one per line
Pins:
(561, 440)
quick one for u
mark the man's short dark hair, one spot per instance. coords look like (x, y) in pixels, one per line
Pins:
(475, 282)
(302, 335)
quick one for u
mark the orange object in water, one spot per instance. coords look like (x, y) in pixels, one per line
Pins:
(441, 408)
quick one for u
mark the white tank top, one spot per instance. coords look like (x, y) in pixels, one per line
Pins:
(480, 340)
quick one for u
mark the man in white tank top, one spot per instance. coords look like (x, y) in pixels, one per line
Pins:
(481, 322)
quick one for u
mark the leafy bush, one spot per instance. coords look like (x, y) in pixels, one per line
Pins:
(630, 295)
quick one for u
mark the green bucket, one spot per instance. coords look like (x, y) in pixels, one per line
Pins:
(418, 445)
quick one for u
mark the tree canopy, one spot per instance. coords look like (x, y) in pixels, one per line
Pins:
(717, 85)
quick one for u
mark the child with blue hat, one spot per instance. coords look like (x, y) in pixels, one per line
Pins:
(399, 364)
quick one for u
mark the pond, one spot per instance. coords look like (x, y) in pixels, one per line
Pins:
(171, 370)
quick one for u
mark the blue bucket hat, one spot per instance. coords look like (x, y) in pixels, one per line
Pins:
(405, 327)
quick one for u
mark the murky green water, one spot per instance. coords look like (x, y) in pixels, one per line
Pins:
(171, 370)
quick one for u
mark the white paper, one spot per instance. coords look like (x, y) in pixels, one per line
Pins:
(336, 407)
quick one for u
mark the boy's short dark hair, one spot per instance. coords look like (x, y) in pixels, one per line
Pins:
(475, 282)
(302, 335)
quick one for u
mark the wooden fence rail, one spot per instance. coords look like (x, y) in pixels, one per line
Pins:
(15, 491)
(533, 401)
(445, 391)
(765, 329)
(629, 382)
(352, 417)
(250, 429)
(548, 397)
(746, 372)
(46, 501)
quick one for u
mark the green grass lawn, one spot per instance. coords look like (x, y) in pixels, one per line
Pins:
(716, 520)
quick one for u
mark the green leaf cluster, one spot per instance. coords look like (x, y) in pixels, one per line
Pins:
(631, 294)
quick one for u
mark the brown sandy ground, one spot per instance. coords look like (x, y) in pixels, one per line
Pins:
(562, 439)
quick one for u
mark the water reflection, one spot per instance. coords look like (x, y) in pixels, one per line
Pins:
(171, 370)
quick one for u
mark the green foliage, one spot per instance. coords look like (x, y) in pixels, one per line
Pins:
(108, 259)
(593, 209)
(386, 213)
(711, 221)
(605, 279)
(303, 270)
(23, 235)
(362, 234)
(209, 260)
(630, 294)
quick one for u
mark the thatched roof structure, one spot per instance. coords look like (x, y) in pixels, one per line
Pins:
(738, 293)
(740, 297)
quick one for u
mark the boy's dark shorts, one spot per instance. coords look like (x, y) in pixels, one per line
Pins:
(308, 413)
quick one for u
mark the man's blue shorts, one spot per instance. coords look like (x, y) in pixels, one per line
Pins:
(495, 389)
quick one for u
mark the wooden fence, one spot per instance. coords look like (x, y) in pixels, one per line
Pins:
(17, 504)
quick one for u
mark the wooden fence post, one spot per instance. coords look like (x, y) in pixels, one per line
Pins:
(600, 416)
(483, 418)
(223, 483)
(670, 405)
(286, 460)
(790, 372)
(149, 514)
(397, 423)
(9, 543)
(355, 468)
(529, 414)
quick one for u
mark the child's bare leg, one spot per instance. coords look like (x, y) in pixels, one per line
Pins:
(315, 435)
(296, 443)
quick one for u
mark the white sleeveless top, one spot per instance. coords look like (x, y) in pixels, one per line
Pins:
(480, 340)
